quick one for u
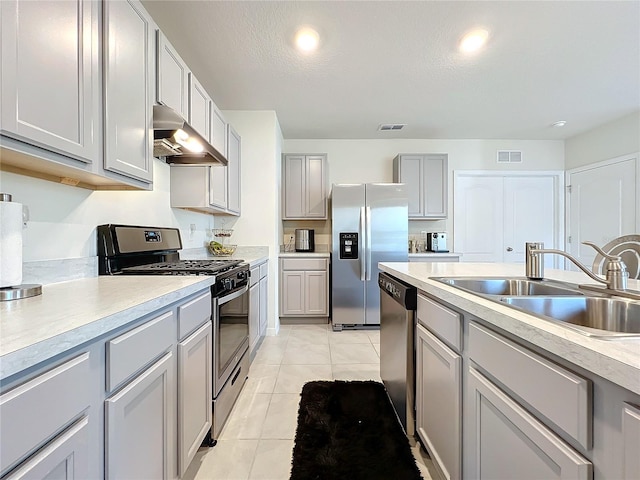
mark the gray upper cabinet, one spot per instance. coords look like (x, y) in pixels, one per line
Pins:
(305, 187)
(233, 170)
(426, 177)
(218, 129)
(172, 78)
(199, 108)
(50, 90)
(128, 68)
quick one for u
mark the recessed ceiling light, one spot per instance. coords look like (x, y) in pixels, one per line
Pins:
(473, 40)
(307, 39)
(559, 123)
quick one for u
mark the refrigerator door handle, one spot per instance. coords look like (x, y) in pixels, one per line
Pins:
(361, 244)
(368, 240)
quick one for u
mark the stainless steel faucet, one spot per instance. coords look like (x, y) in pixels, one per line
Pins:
(616, 274)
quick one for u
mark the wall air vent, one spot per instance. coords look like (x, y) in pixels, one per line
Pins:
(391, 126)
(509, 156)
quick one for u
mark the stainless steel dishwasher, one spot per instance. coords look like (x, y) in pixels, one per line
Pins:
(397, 350)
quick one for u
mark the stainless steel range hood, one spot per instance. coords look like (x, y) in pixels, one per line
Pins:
(178, 142)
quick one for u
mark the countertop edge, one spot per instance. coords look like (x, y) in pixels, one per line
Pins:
(35, 354)
(604, 358)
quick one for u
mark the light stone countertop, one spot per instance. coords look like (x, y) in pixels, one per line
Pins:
(304, 255)
(69, 314)
(617, 360)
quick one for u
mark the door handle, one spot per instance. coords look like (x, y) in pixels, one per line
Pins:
(368, 223)
(362, 245)
(509, 249)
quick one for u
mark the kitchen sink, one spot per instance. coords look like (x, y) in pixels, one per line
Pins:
(593, 316)
(515, 286)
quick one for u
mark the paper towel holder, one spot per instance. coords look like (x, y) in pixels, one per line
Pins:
(25, 290)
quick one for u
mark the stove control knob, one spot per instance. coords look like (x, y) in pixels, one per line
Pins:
(227, 284)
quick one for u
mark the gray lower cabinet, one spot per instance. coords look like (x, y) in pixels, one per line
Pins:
(511, 443)
(50, 92)
(194, 393)
(138, 422)
(631, 440)
(305, 187)
(426, 177)
(45, 420)
(439, 401)
(64, 458)
(128, 67)
(258, 304)
(304, 287)
(264, 299)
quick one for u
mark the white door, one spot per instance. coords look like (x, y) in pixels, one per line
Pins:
(529, 216)
(496, 214)
(602, 204)
(478, 217)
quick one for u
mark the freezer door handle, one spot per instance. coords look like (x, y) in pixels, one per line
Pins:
(368, 240)
(361, 245)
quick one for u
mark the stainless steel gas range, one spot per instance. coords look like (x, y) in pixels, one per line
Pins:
(136, 250)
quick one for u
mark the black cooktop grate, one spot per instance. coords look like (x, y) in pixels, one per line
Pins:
(183, 267)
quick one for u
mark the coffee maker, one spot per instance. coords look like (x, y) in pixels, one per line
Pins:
(437, 242)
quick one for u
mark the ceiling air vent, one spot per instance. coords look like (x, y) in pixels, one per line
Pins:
(509, 156)
(391, 126)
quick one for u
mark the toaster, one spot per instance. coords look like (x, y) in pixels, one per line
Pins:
(437, 242)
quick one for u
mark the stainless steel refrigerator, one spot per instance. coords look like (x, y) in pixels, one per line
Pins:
(370, 224)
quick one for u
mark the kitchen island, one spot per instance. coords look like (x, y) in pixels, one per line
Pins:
(500, 391)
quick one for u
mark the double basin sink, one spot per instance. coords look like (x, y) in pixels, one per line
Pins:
(592, 314)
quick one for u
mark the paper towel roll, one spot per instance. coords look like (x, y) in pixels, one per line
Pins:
(10, 244)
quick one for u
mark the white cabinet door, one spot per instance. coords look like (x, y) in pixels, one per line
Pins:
(199, 108)
(509, 441)
(234, 158)
(438, 401)
(264, 304)
(139, 425)
(409, 172)
(64, 458)
(195, 395)
(315, 292)
(603, 204)
(50, 92)
(495, 215)
(173, 77)
(128, 64)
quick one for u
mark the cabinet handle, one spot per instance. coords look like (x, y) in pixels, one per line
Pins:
(509, 249)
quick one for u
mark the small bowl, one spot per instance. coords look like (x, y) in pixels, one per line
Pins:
(223, 233)
(222, 250)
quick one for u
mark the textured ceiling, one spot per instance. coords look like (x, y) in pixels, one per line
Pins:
(396, 62)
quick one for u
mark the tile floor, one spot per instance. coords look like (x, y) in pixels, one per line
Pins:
(257, 440)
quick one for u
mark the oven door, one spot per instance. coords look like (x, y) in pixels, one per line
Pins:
(230, 333)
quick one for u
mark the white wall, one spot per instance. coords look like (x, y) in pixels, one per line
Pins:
(259, 223)
(607, 141)
(362, 161)
(63, 219)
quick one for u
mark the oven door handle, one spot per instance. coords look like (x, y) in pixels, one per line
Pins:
(232, 296)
